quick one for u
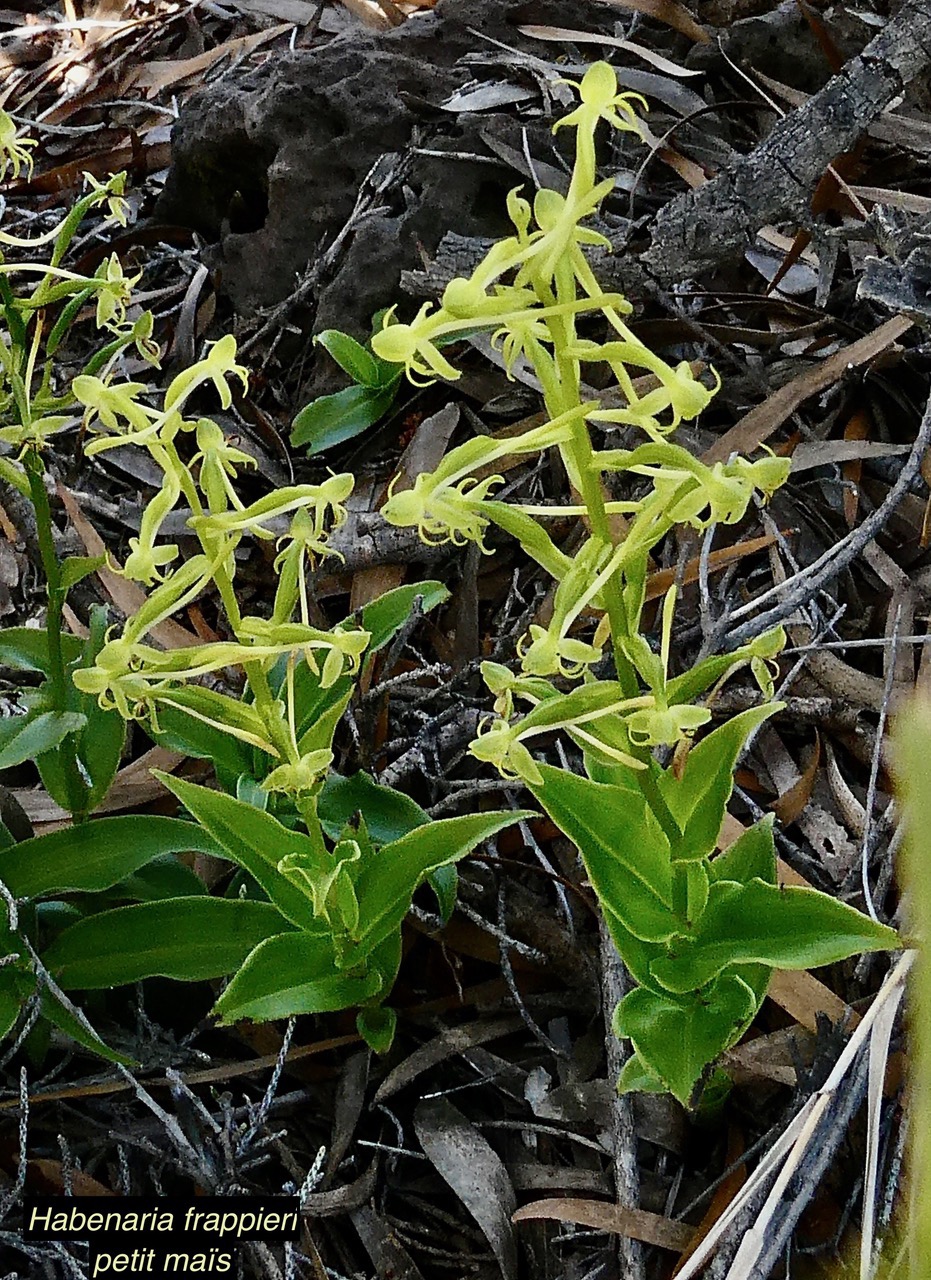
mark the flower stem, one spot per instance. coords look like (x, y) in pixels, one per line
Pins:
(76, 787)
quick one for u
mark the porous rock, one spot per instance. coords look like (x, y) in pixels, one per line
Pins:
(267, 166)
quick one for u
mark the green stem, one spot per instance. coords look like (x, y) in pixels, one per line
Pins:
(75, 785)
(673, 833)
(265, 704)
(566, 393)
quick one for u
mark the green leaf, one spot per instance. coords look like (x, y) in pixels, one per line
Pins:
(386, 883)
(759, 923)
(353, 358)
(636, 1077)
(75, 569)
(587, 699)
(388, 814)
(376, 1025)
(221, 718)
(698, 799)
(291, 974)
(98, 747)
(25, 737)
(625, 854)
(27, 649)
(185, 938)
(180, 731)
(334, 419)
(163, 877)
(751, 856)
(95, 855)
(384, 617)
(318, 735)
(637, 954)
(60, 1016)
(444, 882)
(254, 840)
(250, 792)
(14, 476)
(16, 986)
(676, 1040)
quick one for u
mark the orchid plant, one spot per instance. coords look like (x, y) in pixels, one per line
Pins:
(327, 864)
(700, 934)
(335, 865)
(75, 744)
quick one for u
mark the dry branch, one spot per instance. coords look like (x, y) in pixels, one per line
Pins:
(776, 180)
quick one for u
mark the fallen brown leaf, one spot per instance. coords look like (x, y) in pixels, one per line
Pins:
(760, 423)
(638, 1224)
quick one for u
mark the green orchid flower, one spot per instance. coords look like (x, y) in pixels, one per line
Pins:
(15, 152)
(661, 724)
(219, 467)
(303, 777)
(413, 346)
(146, 560)
(446, 505)
(110, 192)
(218, 367)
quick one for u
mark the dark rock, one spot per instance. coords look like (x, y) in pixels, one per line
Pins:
(268, 167)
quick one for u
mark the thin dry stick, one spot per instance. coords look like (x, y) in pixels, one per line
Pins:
(802, 587)
(879, 1058)
(791, 1145)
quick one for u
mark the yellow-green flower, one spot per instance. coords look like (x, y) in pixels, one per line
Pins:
(600, 100)
(14, 151)
(110, 191)
(299, 778)
(116, 406)
(499, 744)
(661, 724)
(298, 552)
(114, 292)
(680, 393)
(550, 651)
(325, 503)
(442, 512)
(446, 505)
(413, 346)
(665, 726)
(218, 366)
(141, 335)
(146, 559)
(219, 464)
(270, 640)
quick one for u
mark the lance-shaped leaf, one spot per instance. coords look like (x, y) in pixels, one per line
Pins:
(27, 648)
(185, 938)
(625, 854)
(25, 737)
(781, 927)
(386, 883)
(79, 1030)
(257, 842)
(291, 974)
(96, 855)
(698, 799)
